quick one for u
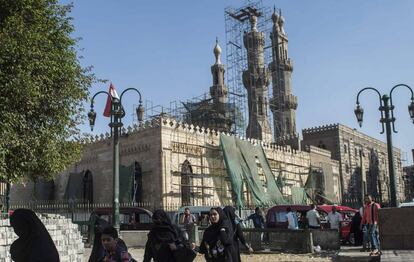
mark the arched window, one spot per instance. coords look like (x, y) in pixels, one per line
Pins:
(88, 186)
(186, 177)
(137, 185)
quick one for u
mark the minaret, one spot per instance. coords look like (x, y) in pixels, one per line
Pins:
(283, 104)
(256, 81)
(218, 92)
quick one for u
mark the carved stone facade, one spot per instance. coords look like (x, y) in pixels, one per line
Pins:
(357, 152)
(409, 181)
(181, 164)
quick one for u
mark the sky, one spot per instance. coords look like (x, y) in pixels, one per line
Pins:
(165, 49)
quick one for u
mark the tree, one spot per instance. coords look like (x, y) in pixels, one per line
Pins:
(42, 87)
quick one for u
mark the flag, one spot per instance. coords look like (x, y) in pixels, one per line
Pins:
(114, 94)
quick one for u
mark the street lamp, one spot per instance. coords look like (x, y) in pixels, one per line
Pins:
(386, 107)
(117, 113)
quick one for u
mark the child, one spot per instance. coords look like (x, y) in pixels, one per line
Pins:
(115, 249)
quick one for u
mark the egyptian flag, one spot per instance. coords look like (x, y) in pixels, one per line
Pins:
(108, 106)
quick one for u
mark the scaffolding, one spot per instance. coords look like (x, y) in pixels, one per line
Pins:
(198, 110)
(176, 109)
(236, 24)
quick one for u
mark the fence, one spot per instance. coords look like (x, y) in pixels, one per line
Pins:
(357, 203)
(80, 212)
(4, 197)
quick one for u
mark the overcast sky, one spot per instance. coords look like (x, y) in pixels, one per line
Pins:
(164, 48)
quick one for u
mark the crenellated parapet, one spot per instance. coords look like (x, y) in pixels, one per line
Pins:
(185, 127)
(125, 131)
(319, 129)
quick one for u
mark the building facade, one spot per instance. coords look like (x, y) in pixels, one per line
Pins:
(363, 162)
(173, 163)
(409, 181)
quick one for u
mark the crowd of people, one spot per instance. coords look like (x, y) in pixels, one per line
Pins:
(169, 243)
(220, 242)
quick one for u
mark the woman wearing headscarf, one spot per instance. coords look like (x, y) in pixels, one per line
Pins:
(238, 234)
(162, 239)
(34, 243)
(97, 249)
(217, 243)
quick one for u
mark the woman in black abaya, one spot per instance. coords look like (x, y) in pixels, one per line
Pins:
(97, 249)
(217, 243)
(161, 239)
(34, 243)
(238, 234)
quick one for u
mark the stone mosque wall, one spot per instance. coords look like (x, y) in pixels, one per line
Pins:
(180, 163)
(354, 149)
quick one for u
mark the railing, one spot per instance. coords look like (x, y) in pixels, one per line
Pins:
(80, 212)
(357, 203)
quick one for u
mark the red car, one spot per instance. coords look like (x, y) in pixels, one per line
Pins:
(276, 217)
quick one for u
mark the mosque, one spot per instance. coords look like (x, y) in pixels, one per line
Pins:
(201, 161)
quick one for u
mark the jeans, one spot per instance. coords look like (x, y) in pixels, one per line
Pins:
(366, 238)
(373, 236)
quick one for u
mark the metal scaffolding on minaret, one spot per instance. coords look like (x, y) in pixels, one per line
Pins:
(237, 22)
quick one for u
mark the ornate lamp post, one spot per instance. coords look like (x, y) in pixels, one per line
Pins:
(117, 113)
(386, 107)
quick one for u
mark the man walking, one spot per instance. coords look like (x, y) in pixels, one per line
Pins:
(370, 219)
(292, 219)
(257, 217)
(188, 221)
(334, 218)
(313, 218)
(258, 220)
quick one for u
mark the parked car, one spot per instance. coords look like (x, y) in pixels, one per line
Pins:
(276, 217)
(131, 218)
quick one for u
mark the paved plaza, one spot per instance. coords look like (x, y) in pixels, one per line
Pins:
(346, 254)
(138, 254)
